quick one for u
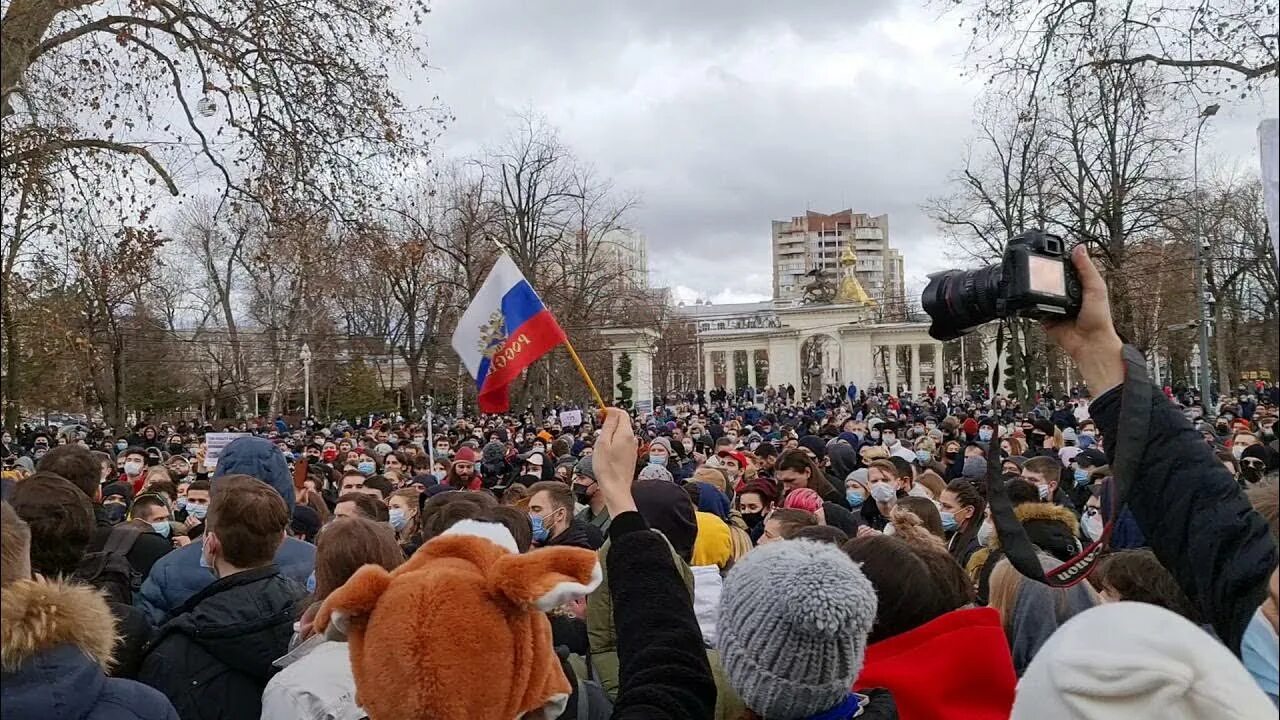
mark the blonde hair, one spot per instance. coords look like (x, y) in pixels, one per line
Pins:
(711, 476)
(878, 452)
(1006, 587)
(932, 482)
(908, 527)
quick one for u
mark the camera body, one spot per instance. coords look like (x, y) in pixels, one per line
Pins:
(1034, 279)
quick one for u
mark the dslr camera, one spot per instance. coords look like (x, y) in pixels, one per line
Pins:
(1035, 279)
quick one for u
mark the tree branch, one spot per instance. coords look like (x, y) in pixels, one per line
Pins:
(54, 146)
(1248, 72)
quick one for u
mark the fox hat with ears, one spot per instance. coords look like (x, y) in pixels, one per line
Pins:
(459, 630)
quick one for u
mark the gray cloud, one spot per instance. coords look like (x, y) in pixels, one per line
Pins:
(722, 115)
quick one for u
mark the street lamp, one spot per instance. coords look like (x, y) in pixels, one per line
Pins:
(305, 356)
(1206, 400)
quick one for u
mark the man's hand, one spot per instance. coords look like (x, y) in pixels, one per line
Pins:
(1090, 339)
(191, 521)
(614, 461)
(180, 541)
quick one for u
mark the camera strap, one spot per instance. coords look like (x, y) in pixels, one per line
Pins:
(1135, 417)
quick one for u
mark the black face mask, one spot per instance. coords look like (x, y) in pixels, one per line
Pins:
(580, 494)
(115, 512)
(1251, 474)
(752, 519)
(176, 448)
(1035, 440)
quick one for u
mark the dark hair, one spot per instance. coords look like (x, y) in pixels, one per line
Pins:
(561, 495)
(442, 511)
(60, 518)
(966, 496)
(790, 521)
(799, 461)
(168, 487)
(381, 484)
(315, 501)
(1138, 576)
(1044, 466)
(249, 518)
(200, 485)
(365, 504)
(148, 500)
(516, 521)
(348, 543)
(75, 464)
(1265, 498)
(909, 591)
(923, 508)
(514, 493)
(821, 533)
(1021, 491)
(903, 467)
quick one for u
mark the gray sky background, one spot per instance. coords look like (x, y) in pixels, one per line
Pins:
(721, 115)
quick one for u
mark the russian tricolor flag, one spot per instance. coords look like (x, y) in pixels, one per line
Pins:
(504, 330)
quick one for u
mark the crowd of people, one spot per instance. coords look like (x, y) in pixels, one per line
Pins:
(828, 559)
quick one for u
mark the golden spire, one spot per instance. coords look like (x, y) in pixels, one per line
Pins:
(850, 290)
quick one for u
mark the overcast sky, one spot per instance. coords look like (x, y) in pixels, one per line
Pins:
(722, 115)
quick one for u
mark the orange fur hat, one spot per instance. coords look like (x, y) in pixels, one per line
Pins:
(459, 630)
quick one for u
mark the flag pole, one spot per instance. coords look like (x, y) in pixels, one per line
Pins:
(573, 354)
(582, 370)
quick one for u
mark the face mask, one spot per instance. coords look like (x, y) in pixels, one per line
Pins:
(923, 456)
(161, 528)
(1044, 491)
(949, 523)
(539, 448)
(1085, 433)
(419, 441)
(580, 494)
(115, 512)
(540, 532)
(175, 448)
(122, 445)
(1260, 654)
(890, 440)
(311, 582)
(688, 445)
(133, 467)
(329, 455)
(198, 510)
(1092, 525)
(984, 434)
(181, 504)
(439, 475)
(1237, 451)
(985, 532)
(443, 452)
(875, 434)
(855, 497)
(397, 518)
(752, 519)
(655, 459)
(1081, 476)
(366, 468)
(883, 493)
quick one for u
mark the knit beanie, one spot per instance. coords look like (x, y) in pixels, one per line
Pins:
(664, 442)
(585, 468)
(493, 452)
(1135, 661)
(794, 618)
(656, 472)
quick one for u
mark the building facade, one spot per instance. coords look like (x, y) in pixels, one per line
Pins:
(816, 241)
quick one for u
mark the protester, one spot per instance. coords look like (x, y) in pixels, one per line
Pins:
(230, 632)
(57, 645)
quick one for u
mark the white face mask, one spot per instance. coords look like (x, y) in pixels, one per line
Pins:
(1092, 526)
(132, 467)
(986, 531)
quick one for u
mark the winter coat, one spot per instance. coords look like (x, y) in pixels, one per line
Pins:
(1195, 517)
(214, 657)
(176, 577)
(315, 683)
(1051, 528)
(662, 669)
(57, 641)
(578, 534)
(954, 666)
(707, 586)
(603, 634)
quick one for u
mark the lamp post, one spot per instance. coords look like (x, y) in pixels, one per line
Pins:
(1206, 399)
(305, 356)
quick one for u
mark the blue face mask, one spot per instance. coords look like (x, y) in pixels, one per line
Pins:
(984, 434)
(366, 468)
(923, 456)
(161, 528)
(397, 518)
(198, 510)
(855, 497)
(311, 582)
(540, 532)
(1261, 655)
(1081, 476)
(949, 523)
(655, 459)
(181, 504)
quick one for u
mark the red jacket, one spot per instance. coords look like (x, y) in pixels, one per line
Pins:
(956, 666)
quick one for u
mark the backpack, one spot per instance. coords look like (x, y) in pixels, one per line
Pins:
(109, 570)
(593, 702)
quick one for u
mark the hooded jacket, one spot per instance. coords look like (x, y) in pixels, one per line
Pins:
(214, 658)
(176, 577)
(954, 666)
(1052, 528)
(57, 642)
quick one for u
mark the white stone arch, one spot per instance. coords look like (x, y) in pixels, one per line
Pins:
(821, 353)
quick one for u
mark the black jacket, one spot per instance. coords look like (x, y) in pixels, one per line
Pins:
(578, 534)
(133, 632)
(213, 657)
(146, 550)
(1195, 518)
(662, 665)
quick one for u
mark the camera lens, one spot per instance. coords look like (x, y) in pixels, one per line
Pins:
(959, 300)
